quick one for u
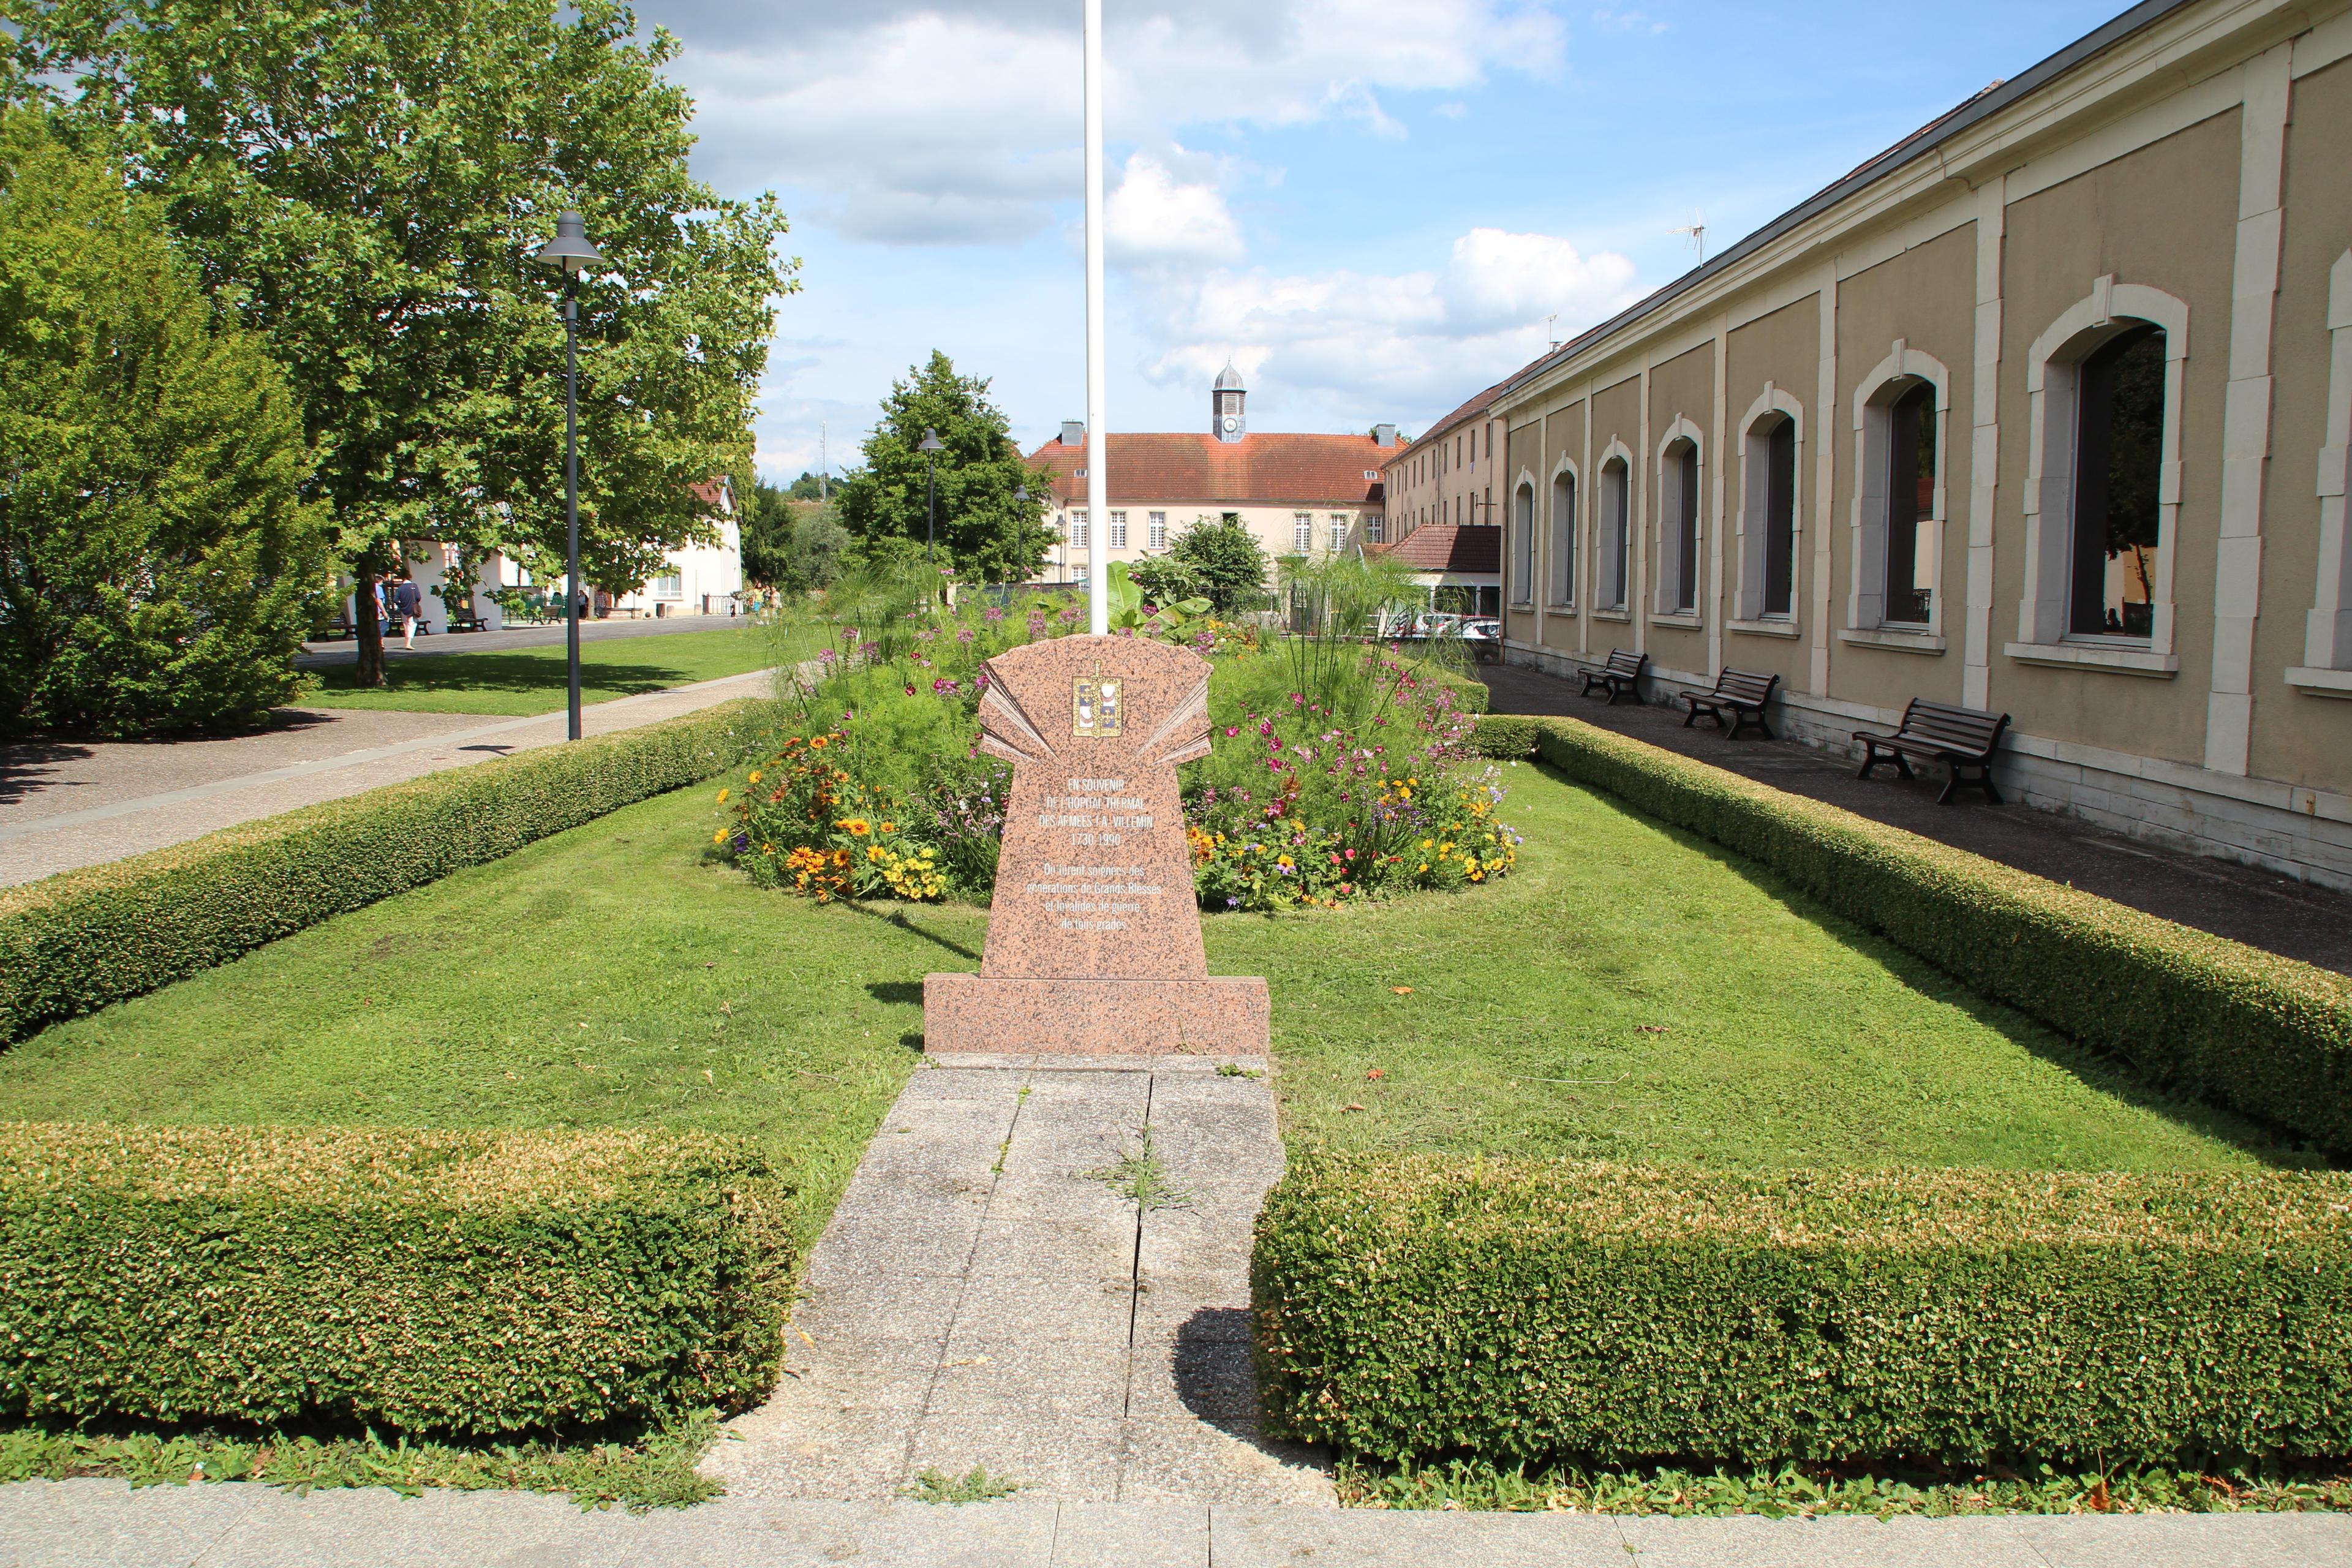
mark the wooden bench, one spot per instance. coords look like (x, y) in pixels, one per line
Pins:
(1961, 738)
(1622, 676)
(1742, 693)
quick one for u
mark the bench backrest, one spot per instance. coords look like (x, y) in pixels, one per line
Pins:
(1745, 685)
(1620, 662)
(1962, 728)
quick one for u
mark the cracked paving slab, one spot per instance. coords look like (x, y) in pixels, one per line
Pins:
(990, 1292)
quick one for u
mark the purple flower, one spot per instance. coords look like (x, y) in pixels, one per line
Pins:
(1233, 903)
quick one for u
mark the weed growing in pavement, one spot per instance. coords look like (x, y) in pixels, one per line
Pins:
(1141, 1179)
(930, 1485)
(1791, 1491)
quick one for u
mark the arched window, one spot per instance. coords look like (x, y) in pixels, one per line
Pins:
(2102, 496)
(1563, 537)
(1768, 535)
(1678, 526)
(1616, 501)
(1523, 545)
(1910, 501)
(2118, 470)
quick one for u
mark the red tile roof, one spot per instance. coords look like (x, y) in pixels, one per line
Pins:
(1257, 470)
(1449, 547)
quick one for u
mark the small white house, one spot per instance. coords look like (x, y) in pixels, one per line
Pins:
(700, 580)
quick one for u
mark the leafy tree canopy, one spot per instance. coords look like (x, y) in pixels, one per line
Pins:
(983, 533)
(158, 567)
(1227, 565)
(364, 181)
(810, 487)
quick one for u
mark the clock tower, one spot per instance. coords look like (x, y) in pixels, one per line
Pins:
(1225, 420)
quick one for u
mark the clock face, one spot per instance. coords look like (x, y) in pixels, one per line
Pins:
(1232, 423)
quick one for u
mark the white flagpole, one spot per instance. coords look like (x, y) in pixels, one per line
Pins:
(1097, 491)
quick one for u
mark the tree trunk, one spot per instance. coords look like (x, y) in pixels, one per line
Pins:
(370, 629)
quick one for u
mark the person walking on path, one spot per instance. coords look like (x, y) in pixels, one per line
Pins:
(409, 599)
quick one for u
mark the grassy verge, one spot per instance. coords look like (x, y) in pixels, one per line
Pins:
(648, 1471)
(1803, 1492)
(1632, 993)
(533, 680)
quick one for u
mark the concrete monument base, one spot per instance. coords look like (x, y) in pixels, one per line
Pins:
(1225, 1016)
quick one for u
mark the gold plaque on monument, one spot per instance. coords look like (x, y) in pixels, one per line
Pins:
(1094, 707)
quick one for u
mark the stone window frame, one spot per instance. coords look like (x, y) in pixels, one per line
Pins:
(1754, 481)
(1885, 385)
(2053, 370)
(1117, 530)
(1523, 542)
(1624, 526)
(1681, 430)
(1565, 561)
(2327, 667)
(1339, 525)
(1155, 531)
(1077, 535)
(1302, 532)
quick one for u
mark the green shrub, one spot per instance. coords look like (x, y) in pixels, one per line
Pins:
(1417, 1306)
(2263, 1035)
(468, 1282)
(74, 942)
(1505, 735)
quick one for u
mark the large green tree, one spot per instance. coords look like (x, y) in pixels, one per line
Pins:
(984, 533)
(1224, 562)
(158, 567)
(364, 181)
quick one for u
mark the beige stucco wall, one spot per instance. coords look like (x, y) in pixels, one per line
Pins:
(1273, 526)
(1616, 416)
(1680, 388)
(1563, 436)
(1925, 296)
(2301, 739)
(2163, 214)
(1784, 349)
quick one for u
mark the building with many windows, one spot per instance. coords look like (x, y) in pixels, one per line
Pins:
(2045, 411)
(1447, 475)
(1298, 494)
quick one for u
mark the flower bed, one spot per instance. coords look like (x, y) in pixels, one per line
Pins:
(1343, 775)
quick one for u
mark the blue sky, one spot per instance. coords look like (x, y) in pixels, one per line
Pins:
(1370, 206)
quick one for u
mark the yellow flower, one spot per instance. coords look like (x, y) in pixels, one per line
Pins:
(722, 797)
(1285, 860)
(857, 826)
(1424, 865)
(755, 775)
(1427, 842)
(889, 828)
(720, 836)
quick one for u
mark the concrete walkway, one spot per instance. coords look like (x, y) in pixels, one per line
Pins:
(2246, 904)
(64, 805)
(988, 1295)
(106, 1524)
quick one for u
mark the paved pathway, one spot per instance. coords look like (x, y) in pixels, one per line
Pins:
(2246, 904)
(106, 1524)
(984, 1297)
(68, 804)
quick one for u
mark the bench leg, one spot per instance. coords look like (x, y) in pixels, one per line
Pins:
(1950, 784)
(1692, 717)
(1738, 722)
(1870, 759)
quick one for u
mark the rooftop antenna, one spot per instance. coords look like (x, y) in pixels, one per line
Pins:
(1696, 229)
(823, 466)
(1551, 323)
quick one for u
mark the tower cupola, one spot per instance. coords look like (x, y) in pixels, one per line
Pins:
(1226, 421)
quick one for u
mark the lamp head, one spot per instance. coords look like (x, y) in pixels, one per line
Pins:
(571, 248)
(931, 442)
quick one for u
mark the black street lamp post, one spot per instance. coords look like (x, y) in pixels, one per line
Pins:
(571, 250)
(931, 447)
(1020, 527)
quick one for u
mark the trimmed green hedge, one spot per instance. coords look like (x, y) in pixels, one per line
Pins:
(1505, 735)
(1417, 1306)
(75, 942)
(2215, 1018)
(464, 1281)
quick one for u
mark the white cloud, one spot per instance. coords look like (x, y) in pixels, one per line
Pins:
(953, 123)
(1382, 346)
(1154, 220)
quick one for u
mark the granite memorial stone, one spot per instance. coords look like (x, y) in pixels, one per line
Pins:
(1094, 939)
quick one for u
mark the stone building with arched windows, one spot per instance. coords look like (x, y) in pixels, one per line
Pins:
(2045, 410)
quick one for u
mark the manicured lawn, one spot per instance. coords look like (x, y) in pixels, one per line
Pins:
(533, 680)
(1702, 1015)
(609, 976)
